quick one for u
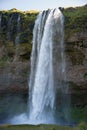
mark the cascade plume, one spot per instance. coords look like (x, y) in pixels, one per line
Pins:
(47, 92)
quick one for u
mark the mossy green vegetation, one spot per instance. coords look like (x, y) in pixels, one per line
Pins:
(27, 23)
(85, 76)
(3, 62)
(75, 33)
(8, 34)
(24, 51)
(76, 19)
(79, 114)
(81, 126)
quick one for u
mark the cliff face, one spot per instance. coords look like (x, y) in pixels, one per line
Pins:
(15, 47)
(16, 29)
(76, 52)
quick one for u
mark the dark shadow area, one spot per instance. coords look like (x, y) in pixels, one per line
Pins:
(12, 105)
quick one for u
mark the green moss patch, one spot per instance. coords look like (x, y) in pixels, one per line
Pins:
(79, 114)
(85, 76)
(76, 18)
(24, 51)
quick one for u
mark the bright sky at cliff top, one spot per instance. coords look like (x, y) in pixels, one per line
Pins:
(39, 4)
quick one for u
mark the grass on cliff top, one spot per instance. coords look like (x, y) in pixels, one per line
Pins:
(77, 11)
(81, 126)
(14, 10)
(76, 18)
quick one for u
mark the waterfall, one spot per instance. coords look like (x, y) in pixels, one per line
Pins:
(18, 30)
(17, 39)
(48, 93)
(9, 28)
(0, 21)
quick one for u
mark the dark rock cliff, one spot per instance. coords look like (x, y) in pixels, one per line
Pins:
(76, 52)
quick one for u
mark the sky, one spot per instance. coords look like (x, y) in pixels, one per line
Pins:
(39, 4)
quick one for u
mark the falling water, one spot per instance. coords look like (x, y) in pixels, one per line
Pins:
(18, 30)
(17, 39)
(48, 93)
(9, 27)
(0, 21)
